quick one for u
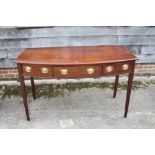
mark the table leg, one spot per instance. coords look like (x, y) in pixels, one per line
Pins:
(33, 88)
(130, 79)
(23, 91)
(115, 86)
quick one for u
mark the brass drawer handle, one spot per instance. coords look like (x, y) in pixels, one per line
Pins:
(125, 67)
(109, 69)
(28, 69)
(64, 71)
(90, 70)
(44, 70)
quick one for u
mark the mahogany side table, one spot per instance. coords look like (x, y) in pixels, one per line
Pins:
(75, 62)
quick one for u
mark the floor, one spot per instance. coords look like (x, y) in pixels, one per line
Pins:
(86, 108)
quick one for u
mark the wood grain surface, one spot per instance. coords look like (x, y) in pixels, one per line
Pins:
(75, 55)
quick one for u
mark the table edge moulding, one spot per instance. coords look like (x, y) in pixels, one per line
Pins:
(75, 62)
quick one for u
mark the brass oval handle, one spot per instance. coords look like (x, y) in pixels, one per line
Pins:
(44, 70)
(64, 71)
(28, 69)
(109, 69)
(125, 66)
(90, 70)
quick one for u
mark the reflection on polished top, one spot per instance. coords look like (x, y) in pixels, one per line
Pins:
(75, 55)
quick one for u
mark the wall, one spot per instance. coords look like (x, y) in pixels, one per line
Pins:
(139, 40)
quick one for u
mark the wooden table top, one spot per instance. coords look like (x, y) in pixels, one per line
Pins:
(75, 55)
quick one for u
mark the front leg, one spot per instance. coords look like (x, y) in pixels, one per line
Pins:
(23, 91)
(130, 79)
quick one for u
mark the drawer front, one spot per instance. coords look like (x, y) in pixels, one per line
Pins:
(117, 68)
(37, 70)
(77, 72)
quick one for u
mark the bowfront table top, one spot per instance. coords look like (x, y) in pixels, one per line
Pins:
(75, 55)
(75, 62)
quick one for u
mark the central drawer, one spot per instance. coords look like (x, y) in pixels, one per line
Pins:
(77, 72)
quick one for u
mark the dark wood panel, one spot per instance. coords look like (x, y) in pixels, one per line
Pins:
(37, 70)
(77, 72)
(117, 68)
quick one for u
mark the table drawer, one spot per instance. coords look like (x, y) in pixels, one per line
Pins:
(77, 72)
(117, 68)
(37, 70)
